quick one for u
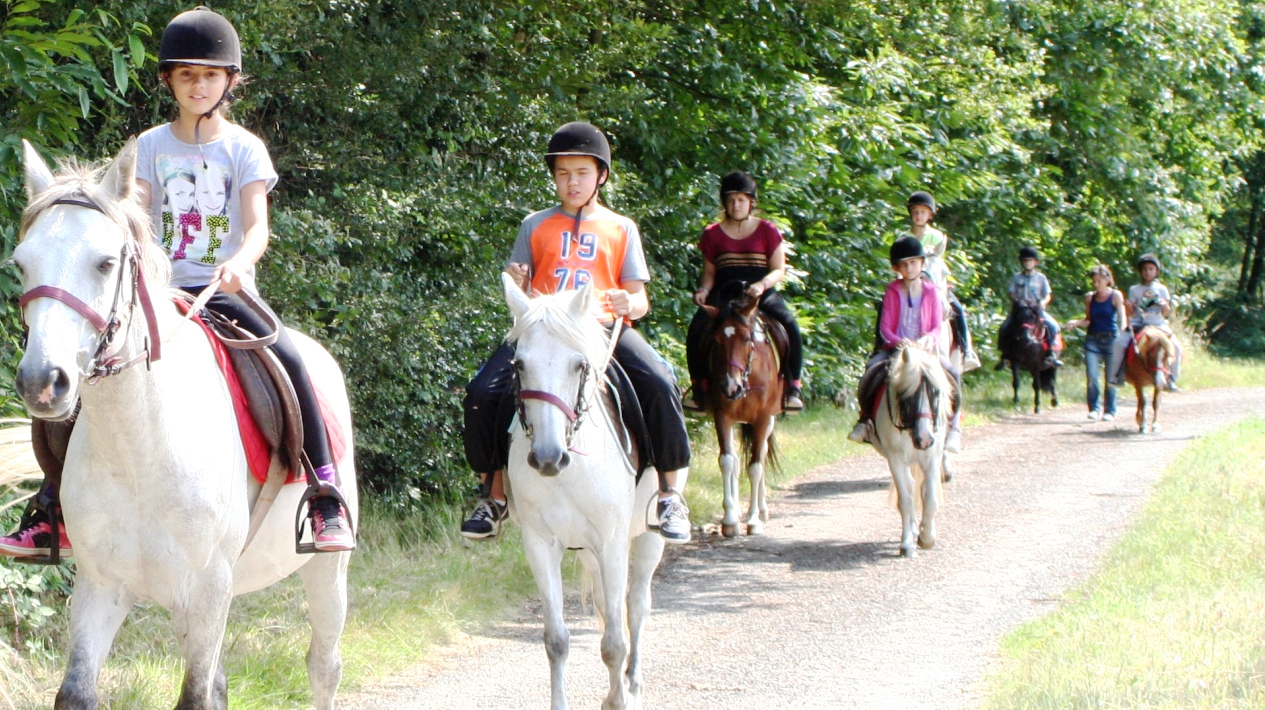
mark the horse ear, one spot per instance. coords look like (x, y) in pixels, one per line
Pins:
(120, 179)
(514, 296)
(712, 311)
(582, 302)
(38, 177)
(747, 308)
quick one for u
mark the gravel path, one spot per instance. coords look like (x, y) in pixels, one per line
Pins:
(820, 612)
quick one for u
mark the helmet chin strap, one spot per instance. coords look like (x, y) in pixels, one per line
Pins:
(575, 228)
(197, 136)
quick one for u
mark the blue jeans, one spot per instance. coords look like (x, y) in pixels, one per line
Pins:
(1098, 347)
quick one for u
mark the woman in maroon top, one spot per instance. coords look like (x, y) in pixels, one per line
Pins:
(742, 249)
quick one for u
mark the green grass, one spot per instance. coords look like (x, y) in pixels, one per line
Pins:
(416, 584)
(1174, 618)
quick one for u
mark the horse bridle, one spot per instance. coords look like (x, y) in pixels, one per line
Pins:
(574, 414)
(103, 365)
(745, 387)
(924, 387)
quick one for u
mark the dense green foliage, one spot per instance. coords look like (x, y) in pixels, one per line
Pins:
(408, 136)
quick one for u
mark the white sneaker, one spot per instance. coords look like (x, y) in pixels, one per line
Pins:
(860, 433)
(970, 361)
(953, 442)
(1095, 415)
(1108, 417)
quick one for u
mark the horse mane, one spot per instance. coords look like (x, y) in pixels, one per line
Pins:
(552, 312)
(905, 381)
(76, 180)
(1151, 333)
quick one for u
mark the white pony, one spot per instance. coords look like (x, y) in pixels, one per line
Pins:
(910, 423)
(573, 484)
(156, 494)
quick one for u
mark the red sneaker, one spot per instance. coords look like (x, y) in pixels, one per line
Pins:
(33, 539)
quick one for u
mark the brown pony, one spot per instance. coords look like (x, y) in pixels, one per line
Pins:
(745, 388)
(1147, 364)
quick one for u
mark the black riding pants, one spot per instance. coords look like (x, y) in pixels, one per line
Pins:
(772, 305)
(315, 440)
(489, 407)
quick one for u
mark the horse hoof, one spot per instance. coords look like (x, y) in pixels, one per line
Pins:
(1155, 428)
(729, 529)
(908, 551)
(755, 529)
(946, 477)
(927, 545)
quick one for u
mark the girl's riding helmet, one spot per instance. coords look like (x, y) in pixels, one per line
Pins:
(737, 181)
(1029, 253)
(579, 138)
(200, 36)
(922, 198)
(1149, 258)
(906, 248)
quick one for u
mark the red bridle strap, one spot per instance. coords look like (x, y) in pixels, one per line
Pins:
(67, 298)
(551, 399)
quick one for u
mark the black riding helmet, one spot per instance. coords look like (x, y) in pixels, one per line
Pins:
(1149, 258)
(1029, 253)
(906, 248)
(580, 138)
(922, 198)
(200, 36)
(737, 181)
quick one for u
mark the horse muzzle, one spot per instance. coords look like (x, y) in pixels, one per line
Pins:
(49, 392)
(548, 460)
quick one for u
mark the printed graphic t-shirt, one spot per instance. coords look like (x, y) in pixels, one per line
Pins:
(606, 253)
(195, 197)
(1146, 306)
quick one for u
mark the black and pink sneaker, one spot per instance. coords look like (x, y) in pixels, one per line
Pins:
(34, 538)
(330, 530)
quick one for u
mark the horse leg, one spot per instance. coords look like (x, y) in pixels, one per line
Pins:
(1036, 391)
(1141, 416)
(647, 549)
(593, 585)
(764, 486)
(545, 559)
(199, 625)
(757, 511)
(95, 617)
(903, 479)
(1155, 410)
(728, 475)
(930, 501)
(325, 586)
(1014, 381)
(613, 560)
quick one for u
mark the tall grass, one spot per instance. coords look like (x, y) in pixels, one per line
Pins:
(1174, 619)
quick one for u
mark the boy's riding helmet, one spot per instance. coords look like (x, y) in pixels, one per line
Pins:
(579, 138)
(922, 198)
(200, 36)
(906, 248)
(1149, 258)
(737, 181)
(1029, 253)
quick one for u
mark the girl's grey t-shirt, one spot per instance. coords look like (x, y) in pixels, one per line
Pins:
(195, 197)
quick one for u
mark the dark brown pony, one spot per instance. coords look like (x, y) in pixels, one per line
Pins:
(1022, 342)
(1147, 364)
(745, 388)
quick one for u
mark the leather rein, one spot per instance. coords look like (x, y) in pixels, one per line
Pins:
(103, 362)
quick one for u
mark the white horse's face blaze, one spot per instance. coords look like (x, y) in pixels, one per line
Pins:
(76, 249)
(544, 367)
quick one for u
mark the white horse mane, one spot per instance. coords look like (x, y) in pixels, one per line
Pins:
(552, 312)
(73, 180)
(906, 380)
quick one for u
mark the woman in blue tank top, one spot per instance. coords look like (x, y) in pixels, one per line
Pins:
(1104, 318)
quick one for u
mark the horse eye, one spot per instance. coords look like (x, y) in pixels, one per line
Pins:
(517, 365)
(14, 263)
(107, 265)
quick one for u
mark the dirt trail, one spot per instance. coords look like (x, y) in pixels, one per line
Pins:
(821, 612)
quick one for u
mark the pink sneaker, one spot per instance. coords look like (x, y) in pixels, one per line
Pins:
(33, 539)
(329, 529)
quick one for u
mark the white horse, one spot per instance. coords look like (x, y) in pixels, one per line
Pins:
(910, 424)
(573, 484)
(155, 491)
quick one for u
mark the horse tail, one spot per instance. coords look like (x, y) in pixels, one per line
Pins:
(747, 442)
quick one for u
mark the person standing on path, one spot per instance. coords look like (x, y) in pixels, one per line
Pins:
(1104, 319)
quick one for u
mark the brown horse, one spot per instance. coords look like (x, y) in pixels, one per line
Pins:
(1147, 363)
(745, 388)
